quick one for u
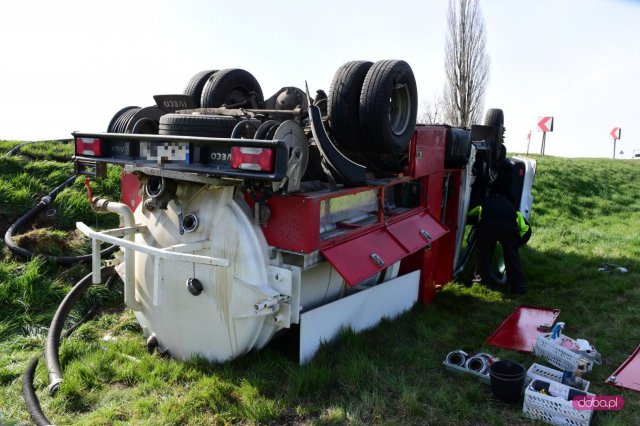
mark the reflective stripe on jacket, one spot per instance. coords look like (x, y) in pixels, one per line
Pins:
(523, 226)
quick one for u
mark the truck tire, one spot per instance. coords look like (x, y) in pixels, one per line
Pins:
(457, 148)
(145, 126)
(245, 129)
(196, 84)
(232, 87)
(491, 164)
(495, 119)
(213, 126)
(266, 130)
(343, 106)
(111, 128)
(388, 106)
(125, 118)
(144, 121)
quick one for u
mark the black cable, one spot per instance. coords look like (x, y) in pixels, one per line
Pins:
(28, 391)
(29, 216)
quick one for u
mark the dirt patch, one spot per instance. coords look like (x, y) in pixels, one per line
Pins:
(49, 241)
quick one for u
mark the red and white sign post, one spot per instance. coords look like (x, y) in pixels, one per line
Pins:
(615, 134)
(528, 141)
(545, 124)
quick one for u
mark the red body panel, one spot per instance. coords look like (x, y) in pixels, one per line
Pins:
(627, 376)
(416, 236)
(433, 183)
(129, 190)
(408, 231)
(294, 224)
(427, 150)
(354, 259)
(429, 286)
(521, 329)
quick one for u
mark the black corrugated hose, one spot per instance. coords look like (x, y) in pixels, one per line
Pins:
(31, 215)
(56, 334)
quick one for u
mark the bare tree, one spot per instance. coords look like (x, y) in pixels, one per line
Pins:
(432, 110)
(466, 63)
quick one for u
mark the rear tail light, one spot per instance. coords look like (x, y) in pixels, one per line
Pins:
(89, 146)
(258, 159)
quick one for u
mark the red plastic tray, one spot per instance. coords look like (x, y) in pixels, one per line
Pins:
(520, 330)
(628, 374)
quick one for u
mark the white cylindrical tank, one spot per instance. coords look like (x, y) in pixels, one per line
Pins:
(218, 312)
(223, 320)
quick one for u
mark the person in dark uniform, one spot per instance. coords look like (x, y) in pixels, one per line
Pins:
(498, 220)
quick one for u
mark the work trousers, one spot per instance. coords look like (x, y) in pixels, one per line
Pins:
(507, 234)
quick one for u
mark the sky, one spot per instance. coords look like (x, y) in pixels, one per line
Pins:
(71, 65)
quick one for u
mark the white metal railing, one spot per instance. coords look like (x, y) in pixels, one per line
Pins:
(174, 252)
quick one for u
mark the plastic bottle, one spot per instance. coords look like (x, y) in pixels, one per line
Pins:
(556, 331)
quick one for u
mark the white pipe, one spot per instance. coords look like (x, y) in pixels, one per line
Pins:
(129, 254)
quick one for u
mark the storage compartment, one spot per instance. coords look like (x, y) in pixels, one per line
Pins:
(427, 150)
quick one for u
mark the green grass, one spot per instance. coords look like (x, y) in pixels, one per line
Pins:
(586, 213)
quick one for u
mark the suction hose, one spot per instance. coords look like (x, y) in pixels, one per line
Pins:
(51, 356)
(28, 391)
(29, 394)
(30, 216)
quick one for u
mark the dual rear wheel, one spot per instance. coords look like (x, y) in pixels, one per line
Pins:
(372, 109)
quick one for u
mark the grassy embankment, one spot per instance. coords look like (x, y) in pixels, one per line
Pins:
(587, 212)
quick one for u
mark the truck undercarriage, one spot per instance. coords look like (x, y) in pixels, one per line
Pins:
(244, 216)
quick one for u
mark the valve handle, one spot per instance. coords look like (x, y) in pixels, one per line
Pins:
(89, 192)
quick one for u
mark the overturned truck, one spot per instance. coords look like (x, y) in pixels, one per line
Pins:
(242, 216)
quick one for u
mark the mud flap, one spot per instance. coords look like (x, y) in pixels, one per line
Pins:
(353, 174)
(359, 312)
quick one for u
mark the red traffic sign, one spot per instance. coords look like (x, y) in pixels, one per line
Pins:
(545, 124)
(616, 132)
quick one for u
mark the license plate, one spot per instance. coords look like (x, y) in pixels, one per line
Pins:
(165, 151)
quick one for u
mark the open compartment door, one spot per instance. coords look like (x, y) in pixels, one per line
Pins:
(363, 256)
(627, 376)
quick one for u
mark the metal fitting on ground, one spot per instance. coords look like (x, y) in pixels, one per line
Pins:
(458, 358)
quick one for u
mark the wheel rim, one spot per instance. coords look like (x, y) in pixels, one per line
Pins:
(237, 98)
(399, 107)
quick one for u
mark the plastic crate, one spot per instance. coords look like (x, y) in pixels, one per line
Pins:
(537, 371)
(554, 410)
(561, 357)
